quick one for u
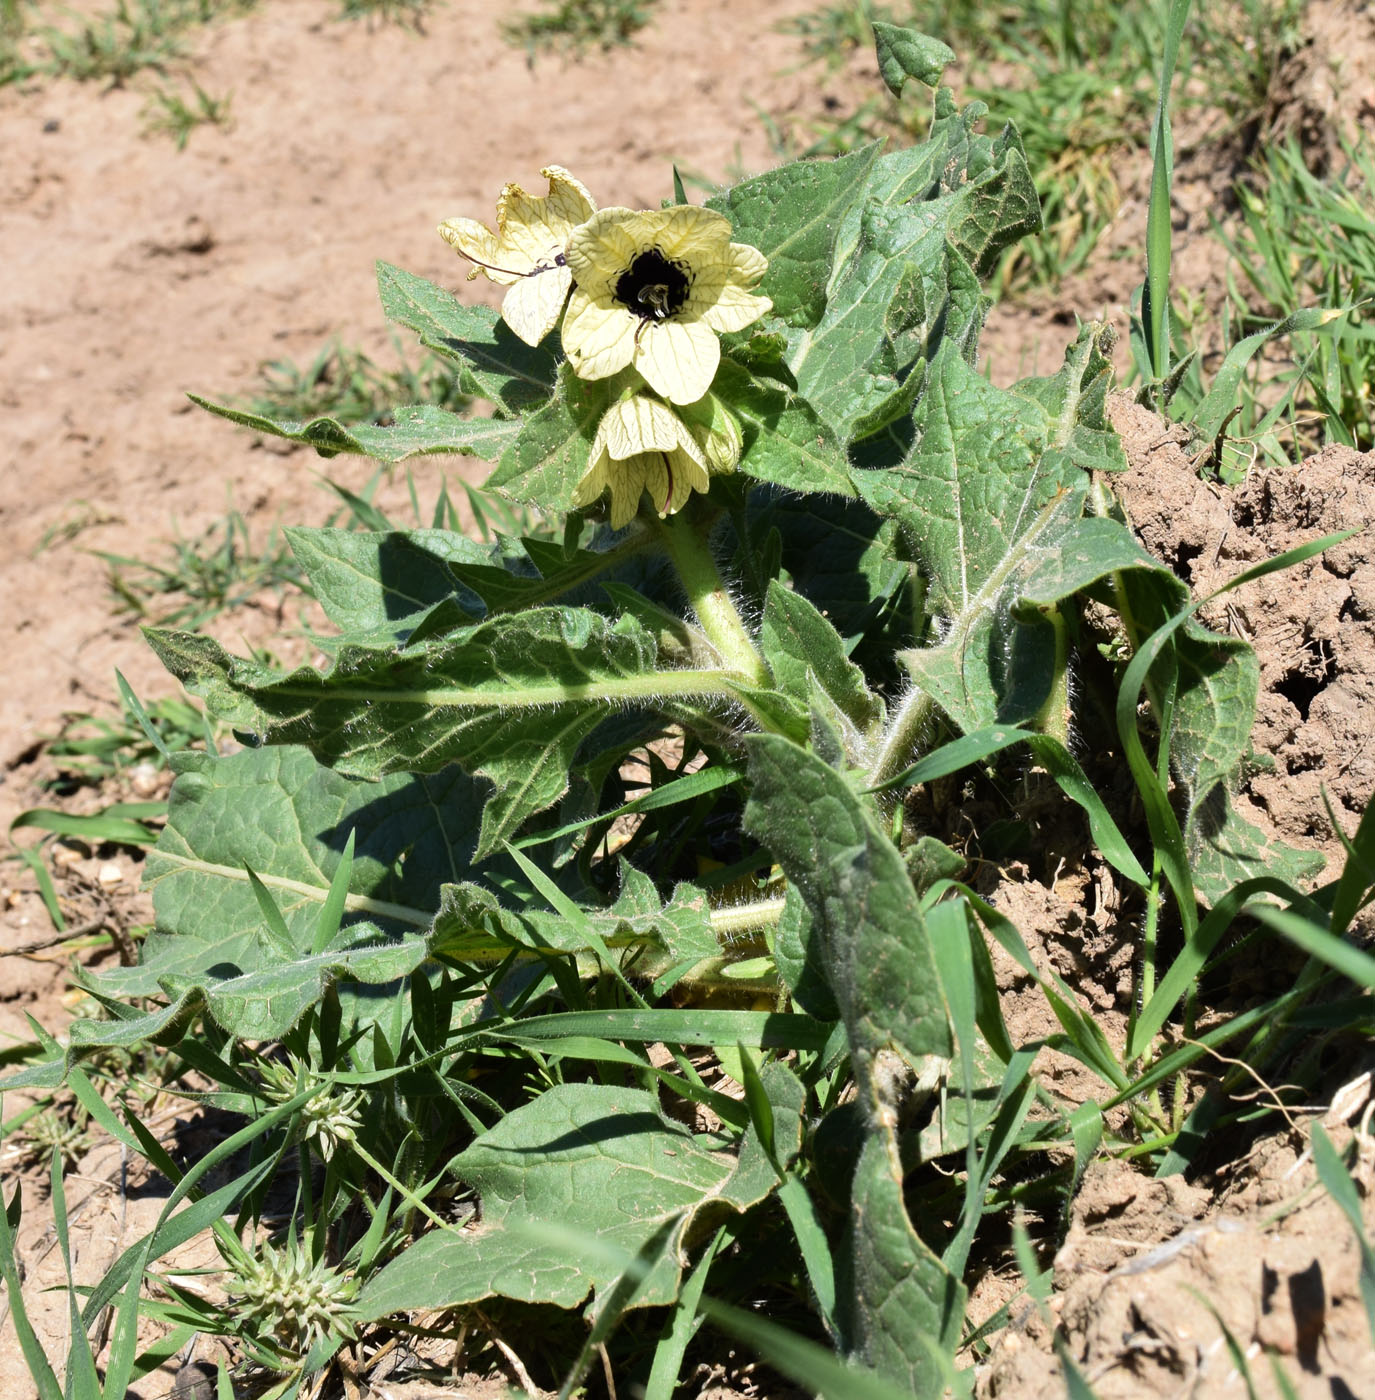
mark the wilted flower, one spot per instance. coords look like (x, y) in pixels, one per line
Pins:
(642, 444)
(653, 289)
(526, 253)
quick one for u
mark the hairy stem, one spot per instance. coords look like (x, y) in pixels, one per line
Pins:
(899, 746)
(1054, 716)
(723, 626)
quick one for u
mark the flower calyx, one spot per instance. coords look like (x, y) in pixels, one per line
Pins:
(526, 253)
(653, 289)
(717, 432)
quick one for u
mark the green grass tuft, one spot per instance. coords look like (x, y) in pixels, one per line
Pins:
(574, 26)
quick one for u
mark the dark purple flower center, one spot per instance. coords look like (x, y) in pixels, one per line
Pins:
(653, 287)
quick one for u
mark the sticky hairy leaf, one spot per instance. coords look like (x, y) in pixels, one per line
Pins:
(904, 54)
(601, 1161)
(417, 430)
(509, 699)
(496, 364)
(791, 215)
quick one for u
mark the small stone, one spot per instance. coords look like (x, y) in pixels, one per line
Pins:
(110, 874)
(144, 779)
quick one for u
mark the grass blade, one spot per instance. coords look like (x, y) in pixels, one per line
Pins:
(679, 1327)
(1155, 296)
(37, 1362)
(1334, 1176)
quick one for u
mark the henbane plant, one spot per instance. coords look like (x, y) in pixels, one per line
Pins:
(660, 773)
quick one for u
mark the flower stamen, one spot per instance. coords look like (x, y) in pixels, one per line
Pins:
(653, 287)
(668, 471)
(559, 261)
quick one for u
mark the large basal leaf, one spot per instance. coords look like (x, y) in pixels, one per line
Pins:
(1225, 849)
(509, 699)
(277, 812)
(268, 993)
(496, 364)
(598, 1161)
(903, 1307)
(864, 910)
(418, 429)
(791, 215)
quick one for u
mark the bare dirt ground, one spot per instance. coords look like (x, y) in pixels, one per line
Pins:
(133, 273)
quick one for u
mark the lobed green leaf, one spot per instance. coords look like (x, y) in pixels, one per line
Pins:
(496, 364)
(418, 430)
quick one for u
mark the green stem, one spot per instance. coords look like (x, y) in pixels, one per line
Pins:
(654, 685)
(1054, 716)
(706, 594)
(733, 920)
(900, 742)
(728, 922)
(404, 1192)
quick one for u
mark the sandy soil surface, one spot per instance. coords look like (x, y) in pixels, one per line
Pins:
(134, 273)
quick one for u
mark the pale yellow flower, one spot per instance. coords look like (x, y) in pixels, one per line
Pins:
(652, 289)
(526, 253)
(642, 444)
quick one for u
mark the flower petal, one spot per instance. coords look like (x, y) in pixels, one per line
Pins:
(642, 424)
(527, 226)
(670, 477)
(735, 309)
(569, 201)
(690, 233)
(532, 306)
(688, 476)
(594, 483)
(632, 476)
(748, 265)
(598, 335)
(601, 249)
(476, 241)
(677, 358)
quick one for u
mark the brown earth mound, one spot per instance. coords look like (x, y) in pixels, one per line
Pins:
(1166, 1288)
(1313, 625)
